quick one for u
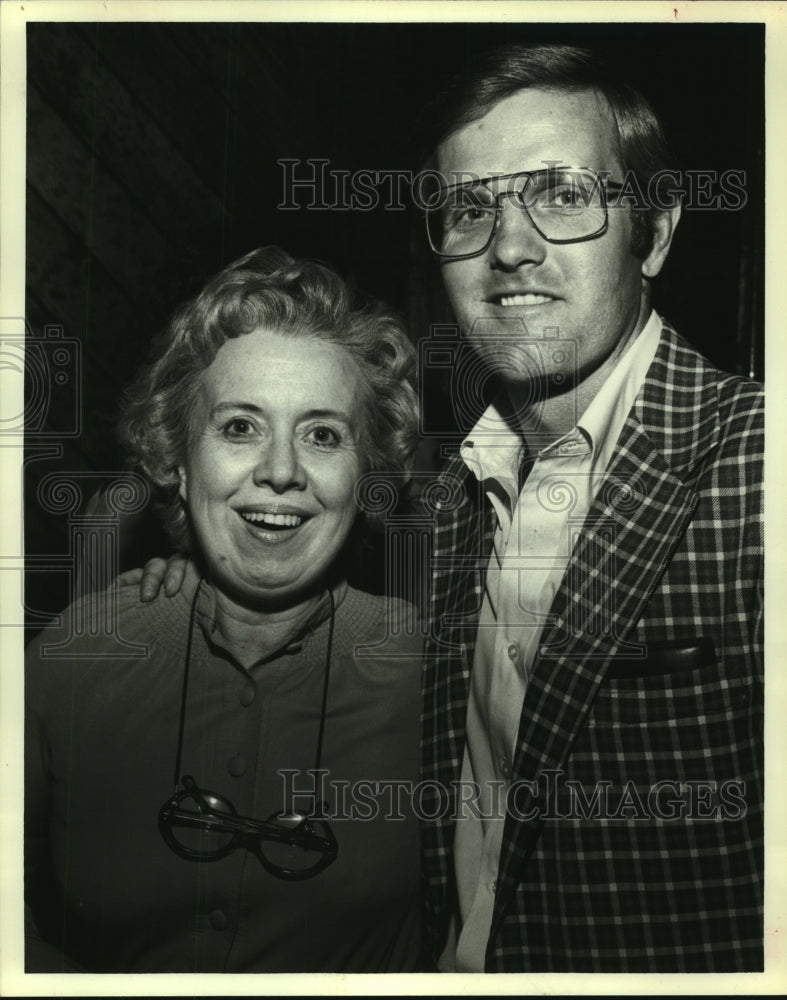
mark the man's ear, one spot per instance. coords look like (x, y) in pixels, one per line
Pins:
(664, 223)
(182, 489)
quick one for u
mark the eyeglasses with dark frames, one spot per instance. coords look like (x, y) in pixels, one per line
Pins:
(564, 205)
(200, 825)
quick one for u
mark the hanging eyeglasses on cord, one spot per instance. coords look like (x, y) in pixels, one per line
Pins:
(200, 825)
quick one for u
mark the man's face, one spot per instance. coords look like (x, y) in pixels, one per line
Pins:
(590, 293)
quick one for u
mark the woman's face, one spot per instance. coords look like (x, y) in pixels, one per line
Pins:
(273, 459)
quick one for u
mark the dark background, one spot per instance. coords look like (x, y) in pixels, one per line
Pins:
(151, 162)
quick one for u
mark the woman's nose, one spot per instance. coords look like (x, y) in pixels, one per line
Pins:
(279, 465)
(516, 240)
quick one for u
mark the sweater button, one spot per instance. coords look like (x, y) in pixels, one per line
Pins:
(247, 695)
(237, 765)
(218, 920)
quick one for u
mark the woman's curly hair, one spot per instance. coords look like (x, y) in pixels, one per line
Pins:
(268, 288)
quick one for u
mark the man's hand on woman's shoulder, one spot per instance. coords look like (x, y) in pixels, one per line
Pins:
(156, 573)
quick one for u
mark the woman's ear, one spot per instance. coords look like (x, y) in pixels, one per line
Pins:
(664, 224)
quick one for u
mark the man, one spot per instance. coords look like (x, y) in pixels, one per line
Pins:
(593, 686)
(593, 698)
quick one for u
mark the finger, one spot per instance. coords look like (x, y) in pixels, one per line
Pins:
(130, 578)
(176, 571)
(152, 578)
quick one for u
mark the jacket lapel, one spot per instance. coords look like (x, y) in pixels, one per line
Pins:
(459, 556)
(635, 522)
(462, 543)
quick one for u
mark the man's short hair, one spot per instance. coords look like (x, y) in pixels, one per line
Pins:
(503, 71)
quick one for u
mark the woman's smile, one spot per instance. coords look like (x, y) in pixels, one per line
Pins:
(273, 529)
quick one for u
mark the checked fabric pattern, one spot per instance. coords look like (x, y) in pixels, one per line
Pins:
(670, 554)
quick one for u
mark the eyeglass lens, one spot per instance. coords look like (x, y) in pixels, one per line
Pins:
(564, 205)
(293, 857)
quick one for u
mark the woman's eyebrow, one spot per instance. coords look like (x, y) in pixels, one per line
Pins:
(315, 414)
(328, 414)
(235, 405)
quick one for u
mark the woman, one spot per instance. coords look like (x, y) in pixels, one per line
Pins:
(219, 799)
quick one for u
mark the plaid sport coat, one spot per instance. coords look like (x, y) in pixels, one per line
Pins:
(634, 837)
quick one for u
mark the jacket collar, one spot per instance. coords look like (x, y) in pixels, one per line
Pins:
(678, 406)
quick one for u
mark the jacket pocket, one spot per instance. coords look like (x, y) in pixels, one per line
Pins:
(665, 658)
(678, 682)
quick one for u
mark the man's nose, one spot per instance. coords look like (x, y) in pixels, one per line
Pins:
(516, 240)
(279, 465)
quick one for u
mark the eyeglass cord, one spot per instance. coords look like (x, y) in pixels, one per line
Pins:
(187, 667)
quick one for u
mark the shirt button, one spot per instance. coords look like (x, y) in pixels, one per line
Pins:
(237, 765)
(493, 886)
(505, 768)
(218, 920)
(513, 651)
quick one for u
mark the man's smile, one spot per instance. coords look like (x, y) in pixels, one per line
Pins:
(522, 299)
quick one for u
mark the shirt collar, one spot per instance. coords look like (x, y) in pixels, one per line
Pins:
(604, 417)
(206, 610)
(491, 450)
(493, 447)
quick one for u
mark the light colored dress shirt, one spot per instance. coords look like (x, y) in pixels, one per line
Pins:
(535, 534)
